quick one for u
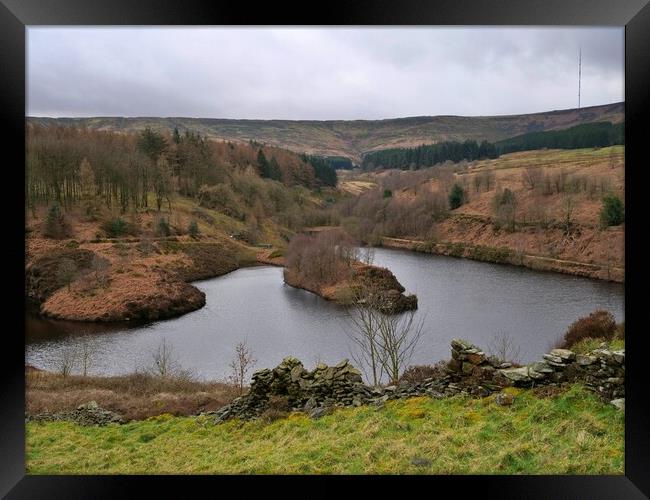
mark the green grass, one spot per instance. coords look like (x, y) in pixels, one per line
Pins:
(588, 345)
(570, 433)
(553, 158)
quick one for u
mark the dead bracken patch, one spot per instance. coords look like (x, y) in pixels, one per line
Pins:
(135, 397)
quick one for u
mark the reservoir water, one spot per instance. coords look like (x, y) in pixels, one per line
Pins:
(457, 298)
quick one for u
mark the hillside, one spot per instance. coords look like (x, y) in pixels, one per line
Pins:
(118, 224)
(353, 138)
(551, 219)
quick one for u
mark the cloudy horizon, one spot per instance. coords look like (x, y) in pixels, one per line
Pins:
(319, 73)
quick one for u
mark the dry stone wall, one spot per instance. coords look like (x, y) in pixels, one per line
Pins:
(470, 371)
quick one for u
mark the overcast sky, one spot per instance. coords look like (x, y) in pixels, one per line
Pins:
(319, 73)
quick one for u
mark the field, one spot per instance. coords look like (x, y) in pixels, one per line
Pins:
(543, 432)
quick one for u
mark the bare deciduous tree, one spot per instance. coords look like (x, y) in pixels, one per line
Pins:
(241, 365)
(67, 360)
(532, 177)
(398, 338)
(478, 180)
(66, 272)
(367, 255)
(488, 179)
(385, 342)
(99, 267)
(364, 332)
(568, 206)
(86, 355)
(165, 362)
(503, 347)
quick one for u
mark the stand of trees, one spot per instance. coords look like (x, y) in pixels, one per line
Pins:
(588, 135)
(429, 155)
(323, 169)
(338, 162)
(131, 171)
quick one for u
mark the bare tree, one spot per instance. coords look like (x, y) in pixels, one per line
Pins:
(364, 332)
(505, 207)
(398, 338)
(568, 206)
(503, 347)
(165, 362)
(385, 342)
(86, 355)
(367, 255)
(99, 267)
(67, 360)
(478, 180)
(66, 272)
(241, 365)
(532, 177)
(489, 179)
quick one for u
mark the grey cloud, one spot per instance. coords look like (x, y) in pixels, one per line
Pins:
(306, 73)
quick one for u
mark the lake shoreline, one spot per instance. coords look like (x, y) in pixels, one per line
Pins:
(454, 296)
(136, 284)
(507, 256)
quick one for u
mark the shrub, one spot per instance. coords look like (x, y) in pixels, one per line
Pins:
(505, 205)
(599, 324)
(612, 212)
(222, 198)
(456, 196)
(620, 331)
(55, 225)
(419, 373)
(193, 229)
(162, 227)
(321, 259)
(114, 228)
(66, 272)
(388, 193)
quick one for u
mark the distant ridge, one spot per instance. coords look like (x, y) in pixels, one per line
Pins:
(353, 138)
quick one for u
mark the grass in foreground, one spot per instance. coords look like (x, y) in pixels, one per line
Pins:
(569, 433)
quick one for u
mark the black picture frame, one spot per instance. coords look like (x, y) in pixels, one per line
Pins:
(15, 15)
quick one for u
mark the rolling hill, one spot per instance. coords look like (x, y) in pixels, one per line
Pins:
(353, 138)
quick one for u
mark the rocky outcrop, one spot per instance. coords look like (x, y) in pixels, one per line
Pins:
(87, 414)
(380, 287)
(375, 286)
(470, 371)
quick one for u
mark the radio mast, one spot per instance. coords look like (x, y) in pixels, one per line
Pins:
(579, 74)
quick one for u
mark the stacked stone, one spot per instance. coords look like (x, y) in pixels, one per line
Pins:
(86, 414)
(603, 372)
(550, 369)
(472, 371)
(325, 386)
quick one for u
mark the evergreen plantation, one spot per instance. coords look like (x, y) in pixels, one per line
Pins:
(588, 135)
